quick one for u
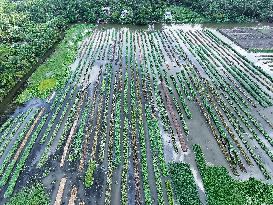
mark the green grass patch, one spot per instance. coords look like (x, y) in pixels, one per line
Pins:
(47, 84)
(55, 72)
(34, 195)
(184, 186)
(222, 189)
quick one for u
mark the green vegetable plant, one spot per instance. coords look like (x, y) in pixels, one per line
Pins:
(88, 180)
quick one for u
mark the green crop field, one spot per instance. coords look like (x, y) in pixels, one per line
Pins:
(122, 115)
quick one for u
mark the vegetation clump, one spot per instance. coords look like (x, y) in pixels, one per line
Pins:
(221, 188)
(183, 183)
(34, 195)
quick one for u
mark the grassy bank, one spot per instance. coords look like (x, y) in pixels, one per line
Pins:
(54, 73)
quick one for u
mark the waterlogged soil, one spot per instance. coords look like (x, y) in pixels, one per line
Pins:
(260, 37)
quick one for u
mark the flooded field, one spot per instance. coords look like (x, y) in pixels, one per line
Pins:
(251, 37)
(136, 104)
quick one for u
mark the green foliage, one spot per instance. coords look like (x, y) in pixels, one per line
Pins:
(23, 41)
(222, 189)
(88, 181)
(183, 183)
(232, 10)
(55, 72)
(182, 14)
(34, 195)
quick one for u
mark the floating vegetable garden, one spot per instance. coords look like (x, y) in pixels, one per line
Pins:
(122, 123)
